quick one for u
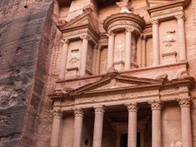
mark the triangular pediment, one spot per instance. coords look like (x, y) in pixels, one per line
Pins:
(112, 83)
(85, 20)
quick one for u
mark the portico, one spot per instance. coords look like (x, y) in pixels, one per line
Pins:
(118, 94)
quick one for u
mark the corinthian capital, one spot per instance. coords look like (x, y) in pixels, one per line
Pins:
(156, 105)
(155, 21)
(65, 41)
(132, 107)
(100, 109)
(85, 36)
(57, 113)
(184, 103)
(78, 112)
(180, 16)
(129, 29)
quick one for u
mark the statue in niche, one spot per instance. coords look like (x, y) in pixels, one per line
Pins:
(169, 39)
(125, 6)
(89, 62)
(120, 50)
(74, 58)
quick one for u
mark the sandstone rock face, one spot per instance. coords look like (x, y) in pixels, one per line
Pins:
(26, 30)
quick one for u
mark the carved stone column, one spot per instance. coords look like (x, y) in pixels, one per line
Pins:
(181, 37)
(98, 126)
(98, 56)
(110, 50)
(186, 123)
(78, 123)
(155, 35)
(57, 115)
(84, 50)
(128, 48)
(139, 51)
(132, 125)
(143, 51)
(156, 123)
(63, 58)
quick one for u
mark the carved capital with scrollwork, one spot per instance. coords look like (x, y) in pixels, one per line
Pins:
(129, 29)
(57, 113)
(180, 16)
(184, 102)
(155, 21)
(110, 33)
(156, 105)
(85, 36)
(100, 109)
(132, 107)
(65, 41)
(78, 112)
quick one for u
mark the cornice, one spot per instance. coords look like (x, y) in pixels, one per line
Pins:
(182, 3)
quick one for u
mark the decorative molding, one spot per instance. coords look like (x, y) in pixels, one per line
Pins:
(180, 16)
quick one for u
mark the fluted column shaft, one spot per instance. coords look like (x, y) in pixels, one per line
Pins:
(63, 58)
(156, 50)
(181, 37)
(128, 49)
(98, 127)
(132, 125)
(78, 123)
(56, 128)
(110, 50)
(156, 123)
(186, 123)
(85, 39)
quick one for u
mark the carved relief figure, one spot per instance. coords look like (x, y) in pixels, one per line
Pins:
(169, 39)
(74, 58)
(120, 50)
(133, 52)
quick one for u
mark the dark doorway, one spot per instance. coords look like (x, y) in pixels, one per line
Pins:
(124, 140)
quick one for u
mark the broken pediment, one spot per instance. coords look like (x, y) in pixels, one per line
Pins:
(85, 20)
(153, 3)
(112, 83)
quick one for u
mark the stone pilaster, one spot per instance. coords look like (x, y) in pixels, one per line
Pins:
(57, 115)
(186, 122)
(143, 51)
(181, 37)
(98, 126)
(155, 35)
(65, 44)
(128, 38)
(156, 123)
(78, 123)
(132, 125)
(110, 50)
(84, 50)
